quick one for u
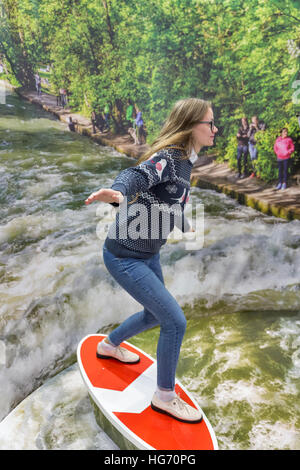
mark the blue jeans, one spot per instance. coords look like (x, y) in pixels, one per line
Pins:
(242, 150)
(252, 151)
(283, 167)
(143, 280)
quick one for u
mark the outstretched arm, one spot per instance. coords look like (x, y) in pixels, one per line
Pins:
(106, 195)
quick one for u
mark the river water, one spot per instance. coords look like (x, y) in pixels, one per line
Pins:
(240, 293)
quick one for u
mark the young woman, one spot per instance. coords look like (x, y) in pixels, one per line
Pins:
(283, 148)
(153, 192)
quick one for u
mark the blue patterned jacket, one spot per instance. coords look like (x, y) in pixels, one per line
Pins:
(155, 194)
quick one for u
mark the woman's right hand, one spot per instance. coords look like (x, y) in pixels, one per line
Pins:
(105, 195)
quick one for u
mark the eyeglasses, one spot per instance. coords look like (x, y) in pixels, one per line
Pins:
(211, 123)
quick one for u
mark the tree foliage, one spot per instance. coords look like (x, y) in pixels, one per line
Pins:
(243, 56)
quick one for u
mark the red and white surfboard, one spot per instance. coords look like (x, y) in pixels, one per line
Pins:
(122, 395)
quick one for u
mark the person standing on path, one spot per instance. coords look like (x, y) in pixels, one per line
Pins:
(242, 150)
(63, 96)
(94, 121)
(152, 197)
(283, 148)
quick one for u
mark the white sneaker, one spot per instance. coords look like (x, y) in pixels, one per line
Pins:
(177, 408)
(107, 351)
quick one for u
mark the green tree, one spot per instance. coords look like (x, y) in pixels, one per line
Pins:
(13, 44)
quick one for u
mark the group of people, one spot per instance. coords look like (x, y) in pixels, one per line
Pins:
(247, 145)
(100, 120)
(134, 122)
(283, 148)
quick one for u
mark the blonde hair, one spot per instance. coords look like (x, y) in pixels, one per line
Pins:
(177, 130)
